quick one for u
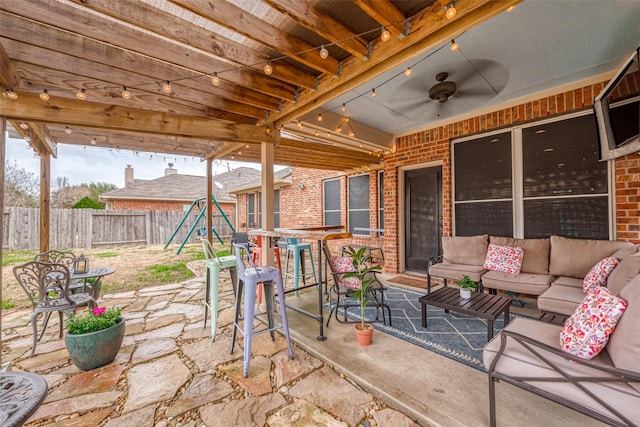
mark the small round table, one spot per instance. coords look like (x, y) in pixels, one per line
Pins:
(21, 394)
(93, 272)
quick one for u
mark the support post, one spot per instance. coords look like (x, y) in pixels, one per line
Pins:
(3, 132)
(209, 205)
(267, 156)
(45, 200)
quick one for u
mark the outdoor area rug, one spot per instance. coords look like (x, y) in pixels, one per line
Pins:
(457, 336)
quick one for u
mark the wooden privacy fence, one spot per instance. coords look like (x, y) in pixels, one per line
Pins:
(90, 228)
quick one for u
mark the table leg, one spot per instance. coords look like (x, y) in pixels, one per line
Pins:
(321, 337)
(507, 317)
(424, 315)
(489, 329)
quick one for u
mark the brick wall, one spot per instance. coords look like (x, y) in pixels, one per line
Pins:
(163, 205)
(628, 197)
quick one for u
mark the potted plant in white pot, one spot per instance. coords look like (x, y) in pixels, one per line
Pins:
(94, 339)
(466, 287)
(364, 273)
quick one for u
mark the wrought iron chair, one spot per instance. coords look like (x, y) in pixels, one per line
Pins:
(343, 288)
(215, 264)
(55, 256)
(47, 286)
(248, 278)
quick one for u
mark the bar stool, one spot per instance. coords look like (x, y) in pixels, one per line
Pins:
(215, 264)
(297, 249)
(248, 279)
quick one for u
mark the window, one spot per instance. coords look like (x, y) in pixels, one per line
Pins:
(331, 201)
(533, 182)
(381, 200)
(359, 202)
(251, 211)
(276, 208)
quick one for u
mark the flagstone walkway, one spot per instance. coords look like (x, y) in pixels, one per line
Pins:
(170, 373)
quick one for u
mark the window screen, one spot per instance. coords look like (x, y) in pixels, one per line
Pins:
(359, 197)
(381, 200)
(276, 208)
(251, 210)
(331, 201)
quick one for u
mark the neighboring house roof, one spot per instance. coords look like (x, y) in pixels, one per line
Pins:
(177, 187)
(281, 178)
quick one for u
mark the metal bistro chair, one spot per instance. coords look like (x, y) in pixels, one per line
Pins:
(47, 286)
(55, 256)
(344, 287)
(215, 264)
(248, 279)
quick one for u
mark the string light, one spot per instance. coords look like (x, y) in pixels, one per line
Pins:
(344, 107)
(44, 95)
(93, 141)
(268, 69)
(408, 71)
(450, 11)
(510, 8)
(166, 87)
(125, 93)
(324, 53)
(319, 117)
(24, 125)
(81, 95)
(385, 35)
(215, 80)
(454, 46)
(11, 94)
(299, 124)
(67, 130)
(373, 92)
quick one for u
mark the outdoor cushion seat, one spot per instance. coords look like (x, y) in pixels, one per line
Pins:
(560, 299)
(455, 272)
(526, 283)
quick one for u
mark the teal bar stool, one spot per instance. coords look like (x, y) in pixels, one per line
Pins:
(248, 279)
(298, 249)
(215, 264)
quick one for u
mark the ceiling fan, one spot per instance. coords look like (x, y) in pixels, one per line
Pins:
(442, 91)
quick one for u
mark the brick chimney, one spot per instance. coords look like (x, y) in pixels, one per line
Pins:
(128, 176)
(170, 170)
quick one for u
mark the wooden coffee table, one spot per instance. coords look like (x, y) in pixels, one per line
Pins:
(485, 306)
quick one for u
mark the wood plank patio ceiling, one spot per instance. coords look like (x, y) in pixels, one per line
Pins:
(102, 46)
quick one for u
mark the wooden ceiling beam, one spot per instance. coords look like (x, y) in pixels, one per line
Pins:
(304, 12)
(8, 75)
(73, 19)
(238, 20)
(385, 13)
(153, 19)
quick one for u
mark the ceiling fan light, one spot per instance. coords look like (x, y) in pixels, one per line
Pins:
(385, 35)
(454, 46)
(324, 53)
(450, 11)
(215, 80)
(44, 95)
(81, 95)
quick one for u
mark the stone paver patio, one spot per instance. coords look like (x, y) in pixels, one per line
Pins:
(169, 373)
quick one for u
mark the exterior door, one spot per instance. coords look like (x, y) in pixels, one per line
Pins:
(423, 216)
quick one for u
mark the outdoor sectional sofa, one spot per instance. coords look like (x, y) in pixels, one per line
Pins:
(552, 269)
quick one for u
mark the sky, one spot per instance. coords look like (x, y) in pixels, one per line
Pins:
(92, 164)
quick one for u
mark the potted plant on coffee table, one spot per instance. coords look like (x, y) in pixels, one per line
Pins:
(94, 339)
(466, 287)
(364, 273)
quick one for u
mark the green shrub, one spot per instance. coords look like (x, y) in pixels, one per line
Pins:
(7, 304)
(87, 203)
(100, 318)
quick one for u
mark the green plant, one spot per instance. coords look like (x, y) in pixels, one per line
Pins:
(365, 274)
(7, 304)
(99, 318)
(467, 283)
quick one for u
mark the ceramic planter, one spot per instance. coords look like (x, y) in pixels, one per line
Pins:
(95, 349)
(465, 293)
(364, 336)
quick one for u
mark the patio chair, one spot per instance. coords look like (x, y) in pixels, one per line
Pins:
(47, 286)
(215, 264)
(343, 288)
(55, 256)
(249, 276)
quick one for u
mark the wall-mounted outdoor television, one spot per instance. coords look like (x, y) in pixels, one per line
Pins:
(617, 111)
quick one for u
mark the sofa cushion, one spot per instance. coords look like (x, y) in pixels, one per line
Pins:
(507, 259)
(624, 343)
(587, 330)
(575, 257)
(536, 252)
(455, 272)
(517, 361)
(626, 251)
(526, 283)
(560, 299)
(599, 273)
(626, 270)
(569, 281)
(467, 250)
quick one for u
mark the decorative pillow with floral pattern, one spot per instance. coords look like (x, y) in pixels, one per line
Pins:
(507, 259)
(587, 331)
(341, 265)
(599, 273)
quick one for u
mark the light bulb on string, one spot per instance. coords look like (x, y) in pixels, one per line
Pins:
(450, 11)
(373, 93)
(324, 53)
(44, 95)
(125, 93)
(319, 117)
(344, 107)
(454, 45)
(299, 124)
(24, 125)
(11, 94)
(268, 69)
(81, 95)
(93, 141)
(166, 87)
(215, 80)
(408, 71)
(351, 134)
(385, 35)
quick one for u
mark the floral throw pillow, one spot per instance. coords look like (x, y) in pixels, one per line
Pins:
(341, 265)
(507, 259)
(587, 331)
(599, 273)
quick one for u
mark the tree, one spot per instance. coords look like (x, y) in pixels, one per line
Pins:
(98, 188)
(87, 203)
(21, 187)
